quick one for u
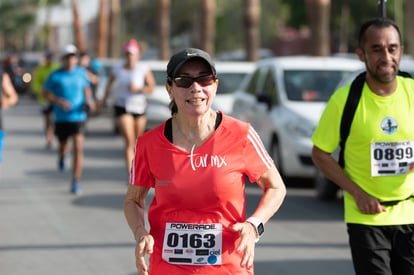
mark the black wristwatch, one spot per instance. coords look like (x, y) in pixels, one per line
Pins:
(258, 225)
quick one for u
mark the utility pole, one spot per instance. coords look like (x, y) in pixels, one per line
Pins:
(382, 8)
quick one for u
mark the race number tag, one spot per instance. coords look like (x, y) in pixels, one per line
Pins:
(193, 244)
(392, 158)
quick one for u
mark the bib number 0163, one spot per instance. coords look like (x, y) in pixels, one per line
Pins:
(191, 240)
(193, 244)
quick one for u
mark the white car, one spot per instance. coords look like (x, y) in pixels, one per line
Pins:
(157, 111)
(284, 98)
(230, 75)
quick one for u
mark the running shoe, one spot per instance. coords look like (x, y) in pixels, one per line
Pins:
(75, 188)
(48, 145)
(61, 164)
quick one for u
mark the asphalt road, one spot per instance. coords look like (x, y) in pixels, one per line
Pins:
(46, 230)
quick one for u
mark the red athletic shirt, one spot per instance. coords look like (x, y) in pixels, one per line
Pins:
(204, 186)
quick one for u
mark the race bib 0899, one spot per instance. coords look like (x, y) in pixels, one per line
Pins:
(193, 244)
(392, 158)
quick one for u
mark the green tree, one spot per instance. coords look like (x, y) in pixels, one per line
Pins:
(17, 17)
(140, 19)
(46, 39)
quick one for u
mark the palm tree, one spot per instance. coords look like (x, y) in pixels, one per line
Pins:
(164, 8)
(343, 38)
(208, 25)
(319, 15)
(77, 26)
(17, 19)
(103, 32)
(47, 38)
(251, 18)
(115, 31)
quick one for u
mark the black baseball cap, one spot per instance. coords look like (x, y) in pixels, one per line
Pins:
(181, 57)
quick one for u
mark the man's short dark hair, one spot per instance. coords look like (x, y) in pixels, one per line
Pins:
(379, 22)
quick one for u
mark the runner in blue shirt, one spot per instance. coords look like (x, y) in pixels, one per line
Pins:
(68, 89)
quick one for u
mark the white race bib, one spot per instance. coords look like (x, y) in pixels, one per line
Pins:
(392, 158)
(193, 244)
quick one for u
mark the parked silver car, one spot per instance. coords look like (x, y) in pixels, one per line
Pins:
(284, 98)
(230, 75)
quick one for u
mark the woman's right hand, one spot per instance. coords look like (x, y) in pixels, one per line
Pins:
(144, 246)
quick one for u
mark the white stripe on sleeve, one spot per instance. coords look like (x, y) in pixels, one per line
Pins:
(255, 140)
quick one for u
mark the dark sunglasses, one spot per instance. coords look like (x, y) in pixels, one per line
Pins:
(186, 82)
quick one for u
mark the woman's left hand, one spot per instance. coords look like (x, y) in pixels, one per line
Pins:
(247, 243)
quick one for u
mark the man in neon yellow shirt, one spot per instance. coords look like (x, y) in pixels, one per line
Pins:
(379, 153)
(40, 75)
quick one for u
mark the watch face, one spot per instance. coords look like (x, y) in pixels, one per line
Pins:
(260, 229)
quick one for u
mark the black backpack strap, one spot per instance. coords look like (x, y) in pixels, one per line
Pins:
(350, 107)
(404, 74)
(348, 114)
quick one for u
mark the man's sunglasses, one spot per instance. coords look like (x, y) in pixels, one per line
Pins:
(186, 82)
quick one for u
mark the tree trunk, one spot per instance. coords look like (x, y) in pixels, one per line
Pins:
(343, 39)
(103, 24)
(251, 18)
(77, 26)
(319, 14)
(164, 8)
(114, 37)
(208, 26)
(409, 9)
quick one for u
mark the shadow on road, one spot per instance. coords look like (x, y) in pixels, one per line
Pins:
(300, 203)
(296, 267)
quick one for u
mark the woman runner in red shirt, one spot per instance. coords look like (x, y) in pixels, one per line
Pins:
(197, 162)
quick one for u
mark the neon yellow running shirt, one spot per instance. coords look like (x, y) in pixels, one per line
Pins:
(379, 150)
